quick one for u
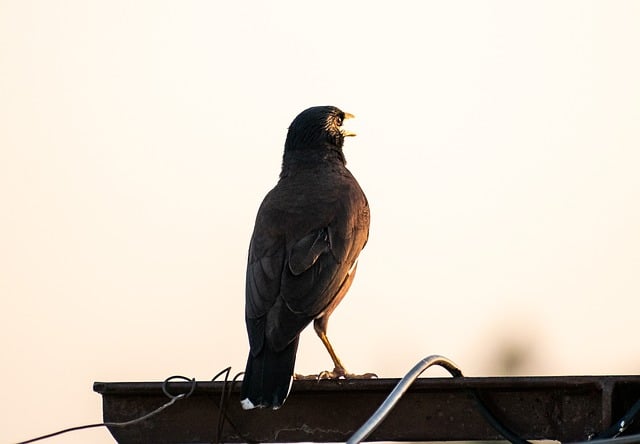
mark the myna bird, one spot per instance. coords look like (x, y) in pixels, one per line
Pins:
(303, 254)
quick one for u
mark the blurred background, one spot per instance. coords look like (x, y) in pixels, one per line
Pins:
(498, 144)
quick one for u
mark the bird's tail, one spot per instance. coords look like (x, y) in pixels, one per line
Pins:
(268, 376)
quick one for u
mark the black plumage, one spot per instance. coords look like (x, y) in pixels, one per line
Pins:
(303, 254)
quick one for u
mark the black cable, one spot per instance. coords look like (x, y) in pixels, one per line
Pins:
(60, 432)
(622, 424)
(631, 439)
(492, 419)
(221, 410)
(224, 403)
(173, 399)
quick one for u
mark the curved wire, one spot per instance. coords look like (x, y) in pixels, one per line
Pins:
(60, 432)
(630, 439)
(224, 404)
(493, 421)
(173, 398)
(621, 425)
(401, 387)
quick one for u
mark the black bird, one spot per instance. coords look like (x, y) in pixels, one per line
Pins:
(303, 254)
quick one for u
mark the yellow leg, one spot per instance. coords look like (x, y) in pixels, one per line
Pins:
(339, 369)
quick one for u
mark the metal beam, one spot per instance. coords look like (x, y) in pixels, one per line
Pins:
(567, 408)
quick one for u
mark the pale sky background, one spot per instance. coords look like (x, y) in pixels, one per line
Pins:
(499, 147)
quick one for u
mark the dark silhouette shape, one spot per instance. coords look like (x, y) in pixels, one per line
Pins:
(303, 254)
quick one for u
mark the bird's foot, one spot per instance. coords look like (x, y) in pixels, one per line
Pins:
(299, 377)
(363, 376)
(340, 373)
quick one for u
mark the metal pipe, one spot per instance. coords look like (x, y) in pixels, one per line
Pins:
(389, 403)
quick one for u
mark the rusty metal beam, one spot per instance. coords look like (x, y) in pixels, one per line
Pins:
(567, 408)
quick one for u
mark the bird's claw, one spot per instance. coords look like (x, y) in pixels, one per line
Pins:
(299, 377)
(364, 376)
(336, 373)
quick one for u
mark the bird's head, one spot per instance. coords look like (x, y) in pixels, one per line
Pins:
(318, 126)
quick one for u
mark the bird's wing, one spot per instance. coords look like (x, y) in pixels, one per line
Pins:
(299, 259)
(317, 265)
(306, 251)
(264, 270)
(319, 261)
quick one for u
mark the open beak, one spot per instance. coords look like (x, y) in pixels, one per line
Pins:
(346, 132)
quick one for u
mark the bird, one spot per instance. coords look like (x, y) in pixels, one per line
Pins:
(303, 254)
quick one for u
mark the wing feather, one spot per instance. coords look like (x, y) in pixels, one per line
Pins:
(300, 256)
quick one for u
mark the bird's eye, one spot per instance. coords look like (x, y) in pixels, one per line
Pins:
(339, 121)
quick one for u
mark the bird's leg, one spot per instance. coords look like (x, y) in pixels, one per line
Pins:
(338, 369)
(320, 326)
